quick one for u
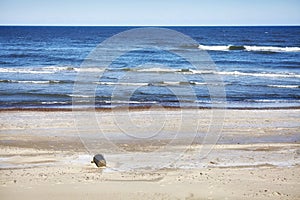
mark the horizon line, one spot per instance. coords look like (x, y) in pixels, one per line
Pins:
(148, 25)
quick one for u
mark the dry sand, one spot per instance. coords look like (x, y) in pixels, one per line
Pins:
(257, 156)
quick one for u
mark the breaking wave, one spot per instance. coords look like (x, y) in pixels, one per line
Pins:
(249, 48)
(36, 82)
(49, 69)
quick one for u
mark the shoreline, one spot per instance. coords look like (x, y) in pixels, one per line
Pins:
(142, 108)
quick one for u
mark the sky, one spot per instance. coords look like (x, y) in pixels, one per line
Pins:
(150, 12)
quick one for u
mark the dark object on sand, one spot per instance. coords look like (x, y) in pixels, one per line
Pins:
(99, 160)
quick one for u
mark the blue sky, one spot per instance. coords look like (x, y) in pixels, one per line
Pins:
(150, 12)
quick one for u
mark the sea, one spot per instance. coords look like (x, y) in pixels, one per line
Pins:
(259, 68)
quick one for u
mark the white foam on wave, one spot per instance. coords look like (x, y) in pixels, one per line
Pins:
(157, 69)
(152, 83)
(24, 70)
(50, 69)
(34, 82)
(202, 71)
(237, 73)
(89, 69)
(130, 102)
(121, 83)
(197, 83)
(171, 83)
(53, 102)
(31, 81)
(80, 96)
(284, 86)
(274, 75)
(273, 101)
(58, 68)
(214, 48)
(37, 70)
(272, 49)
(182, 83)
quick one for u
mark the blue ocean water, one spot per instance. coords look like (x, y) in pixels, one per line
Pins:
(260, 67)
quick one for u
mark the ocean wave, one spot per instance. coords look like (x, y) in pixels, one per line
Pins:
(207, 72)
(4, 62)
(214, 48)
(272, 49)
(181, 83)
(34, 94)
(159, 83)
(154, 69)
(129, 102)
(49, 69)
(89, 69)
(58, 96)
(284, 86)
(37, 70)
(17, 81)
(25, 71)
(238, 73)
(170, 70)
(19, 55)
(80, 96)
(271, 75)
(174, 83)
(272, 101)
(36, 82)
(121, 83)
(57, 68)
(249, 48)
(146, 70)
(54, 102)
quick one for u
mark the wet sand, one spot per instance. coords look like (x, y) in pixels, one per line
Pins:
(47, 154)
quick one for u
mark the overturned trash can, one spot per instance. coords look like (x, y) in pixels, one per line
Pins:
(99, 160)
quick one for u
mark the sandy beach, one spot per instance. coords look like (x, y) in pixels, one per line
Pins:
(44, 154)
